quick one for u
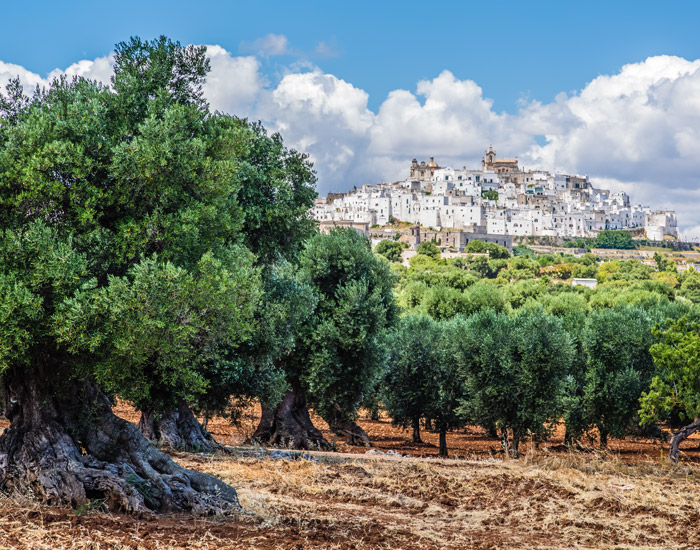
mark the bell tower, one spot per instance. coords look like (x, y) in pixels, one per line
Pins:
(487, 160)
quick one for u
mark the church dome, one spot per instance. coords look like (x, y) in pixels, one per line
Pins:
(432, 163)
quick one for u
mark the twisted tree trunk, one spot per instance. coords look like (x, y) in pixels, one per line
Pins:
(341, 426)
(289, 425)
(681, 435)
(353, 434)
(416, 430)
(177, 428)
(65, 446)
(504, 440)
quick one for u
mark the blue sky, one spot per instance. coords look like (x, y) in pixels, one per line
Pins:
(601, 88)
(514, 50)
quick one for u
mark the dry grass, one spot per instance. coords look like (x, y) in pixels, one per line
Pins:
(631, 497)
(559, 501)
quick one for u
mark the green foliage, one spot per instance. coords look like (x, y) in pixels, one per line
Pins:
(409, 388)
(521, 250)
(664, 264)
(159, 323)
(432, 274)
(422, 379)
(515, 368)
(276, 193)
(160, 72)
(339, 353)
(584, 271)
(580, 243)
(614, 239)
(618, 367)
(495, 251)
(251, 369)
(123, 223)
(412, 294)
(429, 249)
(483, 296)
(486, 268)
(676, 386)
(442, 302)
(490, 194)
(37, 270)
(446, 411)
(690, 285)
(391, 250)
(518, 293)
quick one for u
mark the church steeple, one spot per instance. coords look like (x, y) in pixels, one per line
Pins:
(487, 160)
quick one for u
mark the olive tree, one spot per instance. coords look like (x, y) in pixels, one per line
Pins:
(677, 382)
(339, 353)
(409, 386)
(619, 368)
(123, 272)
(515, 367)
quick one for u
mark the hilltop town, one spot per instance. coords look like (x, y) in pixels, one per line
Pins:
(495, 203)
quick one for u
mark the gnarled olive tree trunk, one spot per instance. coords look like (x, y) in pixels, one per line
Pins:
(67, 447)
(681, 435)
(177, 428)
(342, 427)
(289, 425)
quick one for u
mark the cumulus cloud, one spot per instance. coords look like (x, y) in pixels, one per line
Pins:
(27, 78)
(99, 69)
(636, 131)
(328, 118)
(234, 83)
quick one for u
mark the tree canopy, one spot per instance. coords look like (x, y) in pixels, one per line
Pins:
(126, 240)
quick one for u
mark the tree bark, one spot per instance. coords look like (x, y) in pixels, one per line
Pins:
(603, 436)
(416, 430)
(568, 438)
(177, 428)
(504, 440)
(341, 426)
(443, 443)
(289, 425)
(65, 446)
(515, 448)
(680, 436)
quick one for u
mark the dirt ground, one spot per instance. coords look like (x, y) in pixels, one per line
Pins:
(472, 442)
(630, 497)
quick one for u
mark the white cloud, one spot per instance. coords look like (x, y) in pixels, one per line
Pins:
(28, 79)
(637, 130)
(454, 121)
(639, 127)
(234, 83)
(328, 118)
(99, 69)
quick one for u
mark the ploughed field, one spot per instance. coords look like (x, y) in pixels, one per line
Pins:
(469, 443)
(549, 498)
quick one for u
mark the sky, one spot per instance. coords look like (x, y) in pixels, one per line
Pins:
(609, 89)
